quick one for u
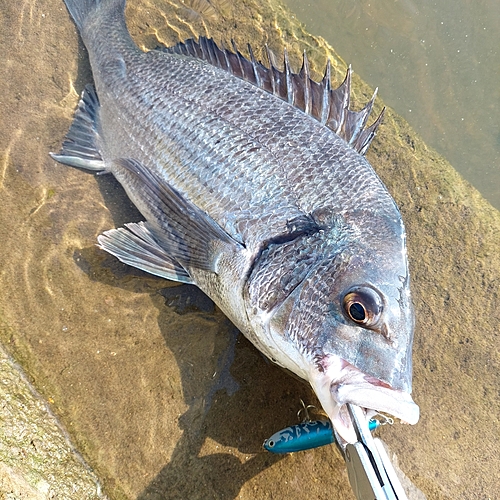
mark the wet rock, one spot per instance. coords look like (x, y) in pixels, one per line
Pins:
(143, 391)
(37, 459)
(185, 298)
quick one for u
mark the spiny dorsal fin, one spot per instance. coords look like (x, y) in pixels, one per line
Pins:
(329, 106)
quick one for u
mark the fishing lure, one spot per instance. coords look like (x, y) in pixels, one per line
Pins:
(306, 435)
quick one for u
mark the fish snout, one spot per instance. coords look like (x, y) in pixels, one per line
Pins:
(342, 383)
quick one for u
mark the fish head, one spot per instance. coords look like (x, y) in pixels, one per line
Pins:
(352, 321)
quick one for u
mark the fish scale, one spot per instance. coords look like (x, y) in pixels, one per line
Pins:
(237, 193)
(260, 124)
(253, 186)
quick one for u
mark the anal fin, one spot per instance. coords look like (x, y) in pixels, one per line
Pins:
(136, 246)
(80, 147)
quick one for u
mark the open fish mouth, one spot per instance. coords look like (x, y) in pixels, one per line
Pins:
(342, 383)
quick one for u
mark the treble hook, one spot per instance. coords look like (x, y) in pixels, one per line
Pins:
(385, 419)
(305, 409)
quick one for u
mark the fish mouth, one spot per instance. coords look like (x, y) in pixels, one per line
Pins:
(342, 383)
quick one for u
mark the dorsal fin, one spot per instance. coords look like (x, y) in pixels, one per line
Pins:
(329, 106)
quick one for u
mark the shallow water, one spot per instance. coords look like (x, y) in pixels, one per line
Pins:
(435, 63)
(162, 396)
(157, 389)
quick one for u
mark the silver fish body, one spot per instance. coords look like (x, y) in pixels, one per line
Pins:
(258, 201)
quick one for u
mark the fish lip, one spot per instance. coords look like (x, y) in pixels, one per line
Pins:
(341, 383)
(373, 399)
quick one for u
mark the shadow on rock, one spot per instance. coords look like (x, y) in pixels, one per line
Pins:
(217, 476)
(236, 399)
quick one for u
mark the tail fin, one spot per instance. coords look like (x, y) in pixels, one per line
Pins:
(81, 9)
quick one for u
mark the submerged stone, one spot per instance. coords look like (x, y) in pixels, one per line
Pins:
(144, 391)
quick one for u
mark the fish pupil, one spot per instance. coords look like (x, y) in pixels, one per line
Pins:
(357, 312)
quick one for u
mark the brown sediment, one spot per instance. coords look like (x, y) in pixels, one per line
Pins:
(167, 402)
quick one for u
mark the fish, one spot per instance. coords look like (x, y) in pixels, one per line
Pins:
(254, 186)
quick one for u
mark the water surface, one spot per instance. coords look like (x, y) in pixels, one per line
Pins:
(435, 62)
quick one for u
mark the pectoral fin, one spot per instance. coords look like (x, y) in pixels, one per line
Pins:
(185, 233)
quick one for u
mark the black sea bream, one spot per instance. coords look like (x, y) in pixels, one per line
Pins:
(254, 187)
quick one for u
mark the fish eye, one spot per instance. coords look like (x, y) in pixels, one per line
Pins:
(363, 305)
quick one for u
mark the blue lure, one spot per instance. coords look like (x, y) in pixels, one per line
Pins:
(304, 436)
